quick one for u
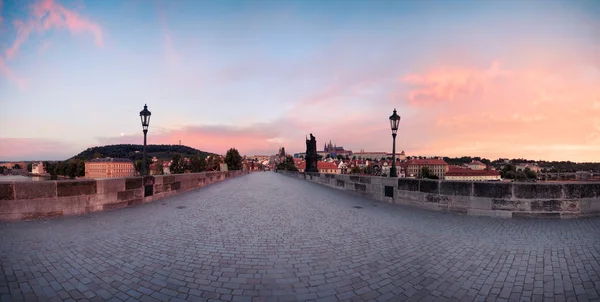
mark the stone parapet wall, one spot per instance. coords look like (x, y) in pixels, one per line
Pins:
(498, 199)
(44, 199)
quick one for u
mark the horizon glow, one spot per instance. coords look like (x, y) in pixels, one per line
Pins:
(494, 79)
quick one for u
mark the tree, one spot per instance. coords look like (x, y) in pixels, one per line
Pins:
(16, 167)
(509, 171)
(49, 168)
(178, 165)
(81, 168)
(530, 174)
(60, 168)
(213, 162)
(425, 173)
(29, 167)
(233, 159)
(97, 155)
(157, 169)
(340, 157)
(354, 157)
(71, 169)
(287, 164)
(138, 165)
(355, 170)
(197, 164)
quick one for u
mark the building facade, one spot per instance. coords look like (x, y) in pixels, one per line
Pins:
(476, 165)
(532, 166)
(334, 150)
(372, 155)
(38, 168)
(322, 167)
(109, 167)
(437, 167)
(456, 173)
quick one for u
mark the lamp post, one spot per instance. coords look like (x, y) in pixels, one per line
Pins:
(394, 121)
(145, 117)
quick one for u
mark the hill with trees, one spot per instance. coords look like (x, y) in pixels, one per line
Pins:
(134, 152)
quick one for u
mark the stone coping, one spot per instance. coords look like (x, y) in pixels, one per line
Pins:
(23, 200)
(487, 198)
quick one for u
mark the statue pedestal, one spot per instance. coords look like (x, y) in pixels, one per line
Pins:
(311, 164)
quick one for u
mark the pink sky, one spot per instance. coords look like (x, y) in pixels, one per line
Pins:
(493, 86)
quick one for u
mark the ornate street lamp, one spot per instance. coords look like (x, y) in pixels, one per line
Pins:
(145, 117)
(394, 121)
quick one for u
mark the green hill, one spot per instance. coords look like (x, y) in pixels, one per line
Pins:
(134, 152)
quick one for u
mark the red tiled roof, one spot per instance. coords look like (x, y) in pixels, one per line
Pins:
(326, 165)
(425, 162)
(476, 162)
(320, 165)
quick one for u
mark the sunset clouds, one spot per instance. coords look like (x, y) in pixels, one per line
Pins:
(465, 79)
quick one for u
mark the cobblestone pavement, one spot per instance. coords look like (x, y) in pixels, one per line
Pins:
(268, 237)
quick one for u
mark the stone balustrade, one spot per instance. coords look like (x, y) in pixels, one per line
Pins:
(44, 199)
(498, 199)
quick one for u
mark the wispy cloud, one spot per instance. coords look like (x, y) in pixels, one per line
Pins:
(171, 54)
(43, 16)
(53, 15)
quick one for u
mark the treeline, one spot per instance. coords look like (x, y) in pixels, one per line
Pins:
(134, 152)
(69, 168)
(509, 171)
(459, 161)
(288, 164)
(196, 163)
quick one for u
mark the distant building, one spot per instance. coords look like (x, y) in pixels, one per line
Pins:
(532, 166)
(476, 165)
(372, 155)
(38, 168)
(343, 167)
(11, 165)
(109, 167)
(323, 167)
(438, 167)
(167, 168)
(259, 158)
(334, 150)
(459, 173)
(583, 175)
(402, 155)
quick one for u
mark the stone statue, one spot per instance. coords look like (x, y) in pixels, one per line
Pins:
(311, 155)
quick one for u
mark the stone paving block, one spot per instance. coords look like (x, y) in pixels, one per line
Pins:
(284, 239)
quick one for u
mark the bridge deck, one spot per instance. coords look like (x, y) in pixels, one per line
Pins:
(277, 238)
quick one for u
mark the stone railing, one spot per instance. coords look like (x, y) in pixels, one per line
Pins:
(500, 199)
(42, 199)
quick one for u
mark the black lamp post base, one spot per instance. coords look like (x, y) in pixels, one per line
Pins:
(393, 172)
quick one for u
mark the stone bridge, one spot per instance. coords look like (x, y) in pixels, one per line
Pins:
(269, 237)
